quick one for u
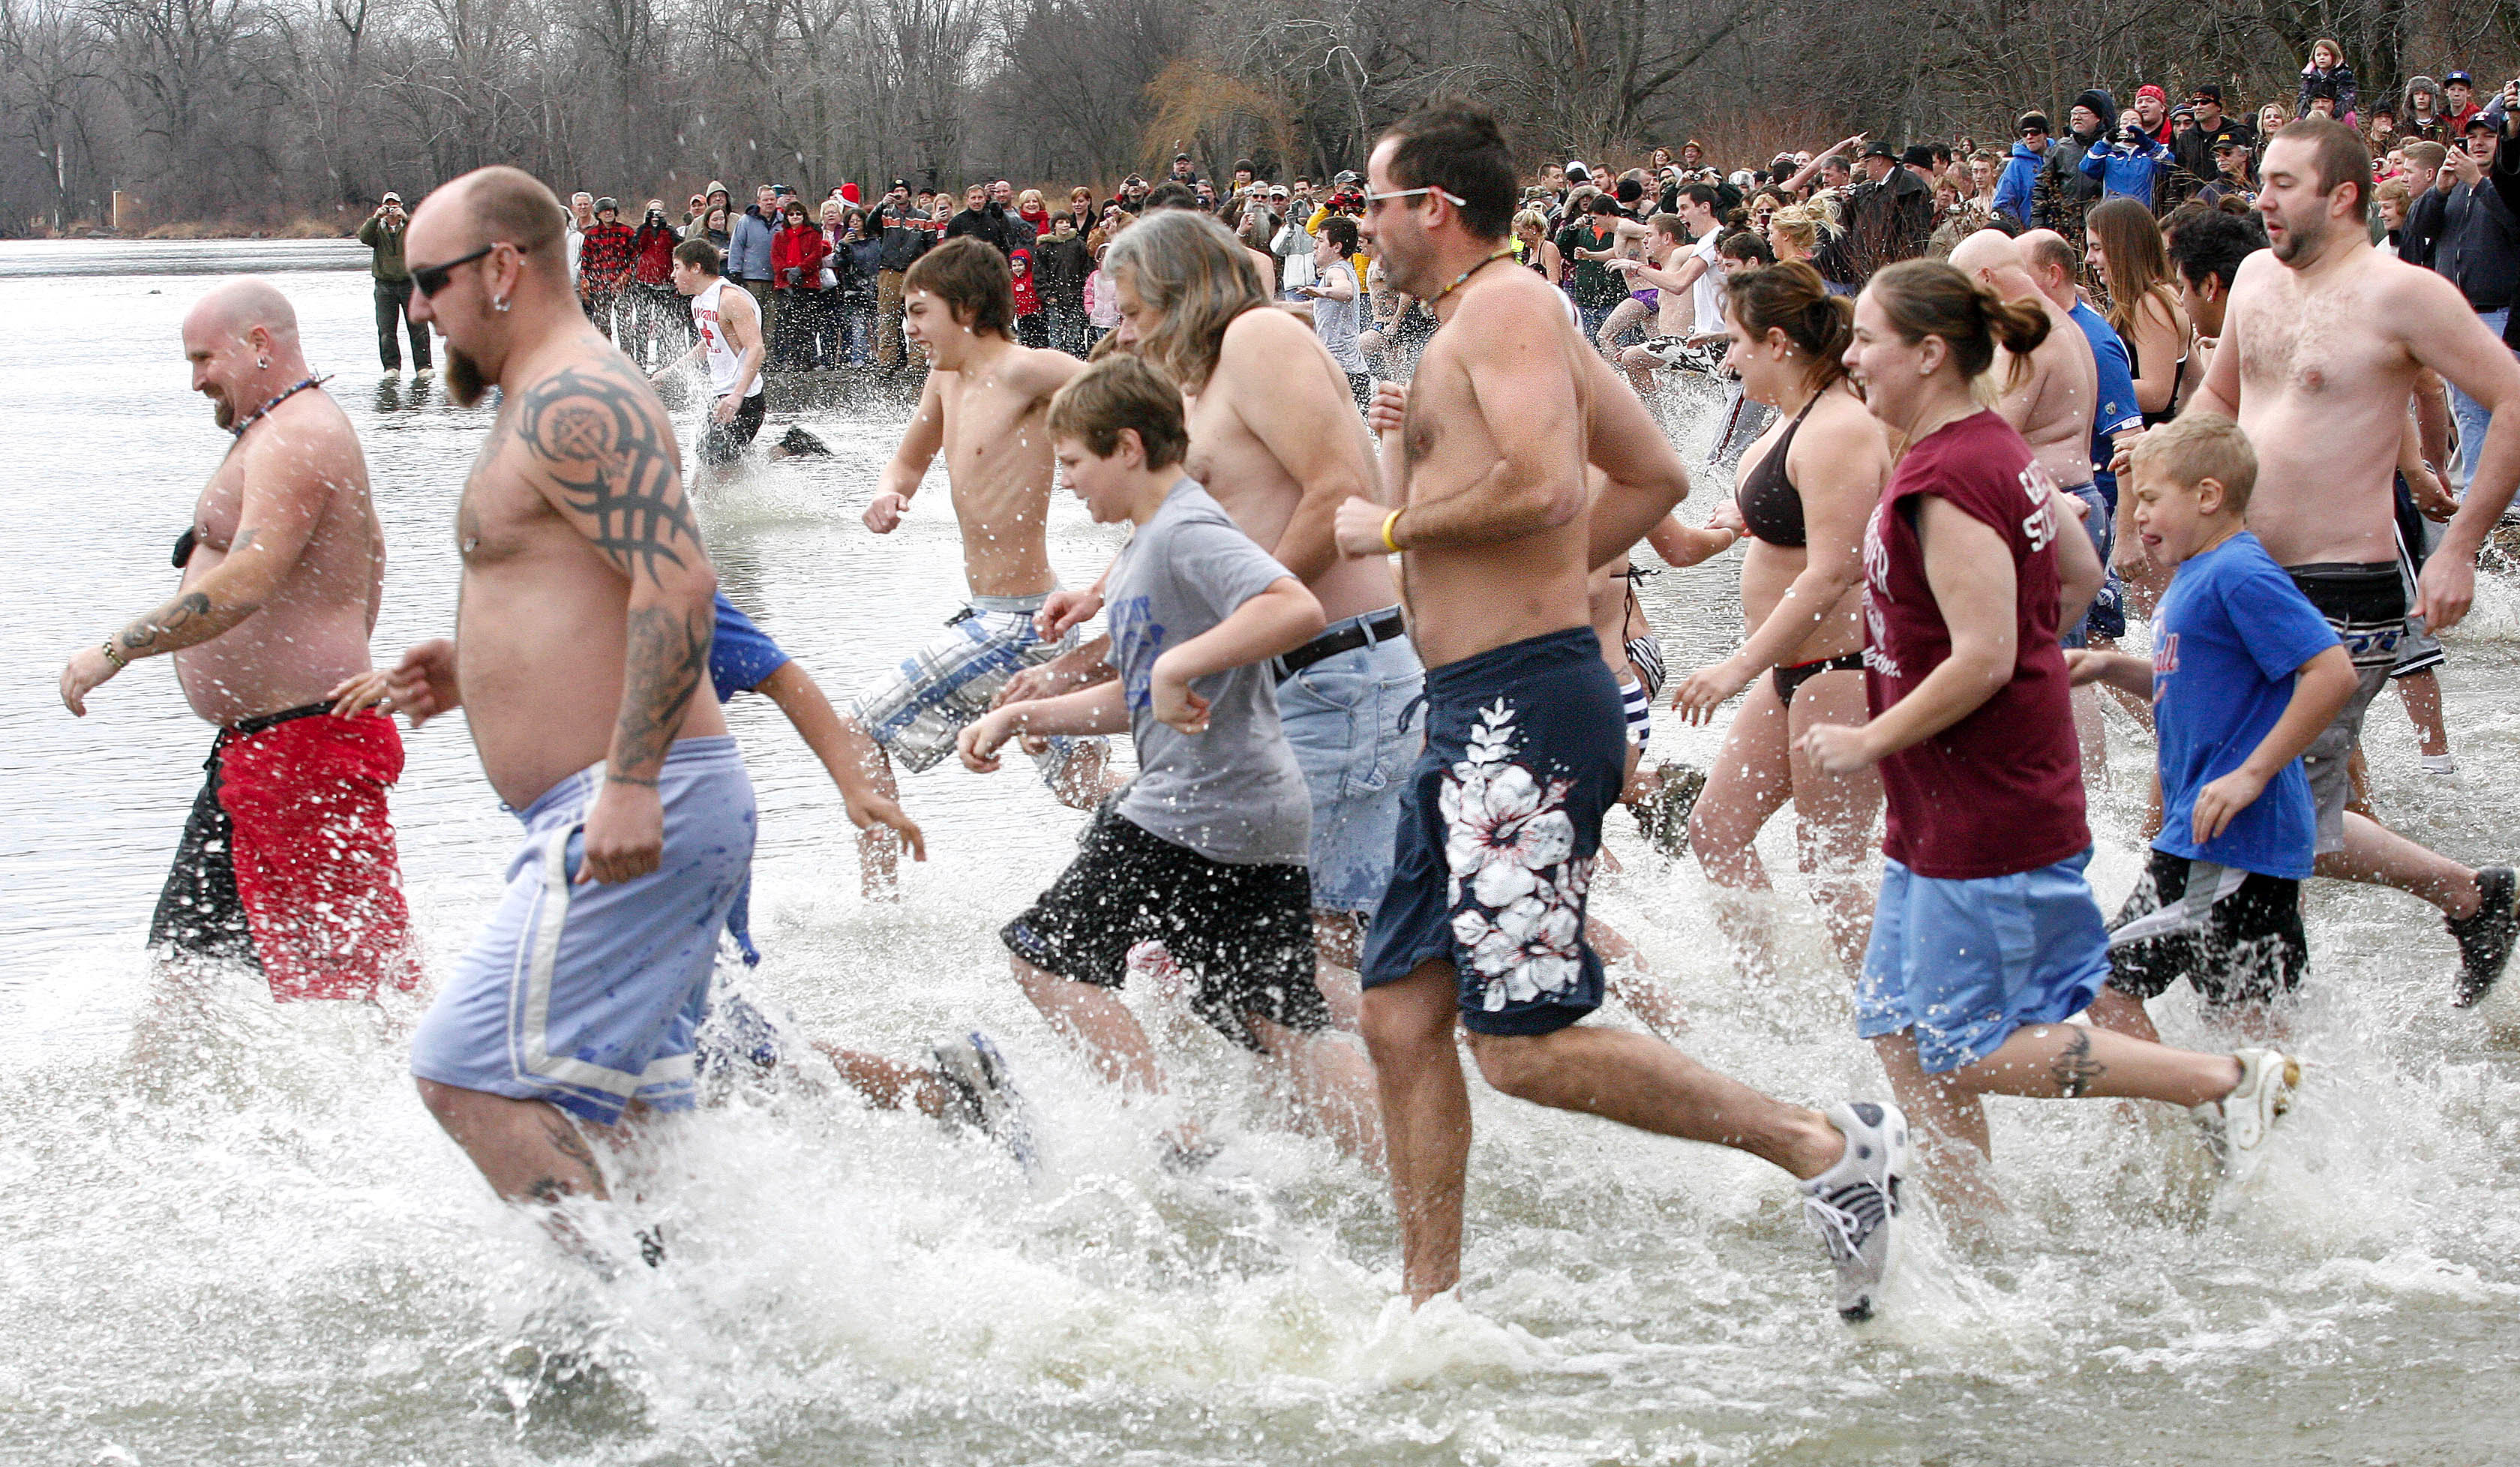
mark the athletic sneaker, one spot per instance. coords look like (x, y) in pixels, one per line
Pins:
(984, 1098)
(2242, 1120)
(2485, 938)
(1662, 817)
(2441, 763)
(1854, 1205)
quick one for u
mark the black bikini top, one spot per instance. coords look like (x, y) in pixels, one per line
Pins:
(1771, 507)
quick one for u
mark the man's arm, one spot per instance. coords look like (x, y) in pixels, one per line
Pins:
(287, 481)
(1100, 709)
(1641, 472)
(1312, 433)
(603, 455)
(849, 754)
(744, 333)
(2444, 335)
(920, 443)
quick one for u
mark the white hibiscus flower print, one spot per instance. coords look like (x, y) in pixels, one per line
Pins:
(1518, 889)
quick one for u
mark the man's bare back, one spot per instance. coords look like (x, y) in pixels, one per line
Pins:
(311, 631)
(986, 416)
(544, 622)
(2051, 406)
(1255, 439)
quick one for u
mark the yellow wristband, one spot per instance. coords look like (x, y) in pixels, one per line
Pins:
(119, 662)
(1388, 520)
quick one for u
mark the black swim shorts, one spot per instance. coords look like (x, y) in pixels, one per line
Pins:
(722, 443)
(2234, 935)
(1242, 932)
(1526, 746)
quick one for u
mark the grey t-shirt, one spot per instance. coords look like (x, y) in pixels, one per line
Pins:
(1336, 319)
(1233, 793)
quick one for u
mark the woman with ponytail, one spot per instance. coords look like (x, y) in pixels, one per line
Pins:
(1806, 488)
(1985, 938)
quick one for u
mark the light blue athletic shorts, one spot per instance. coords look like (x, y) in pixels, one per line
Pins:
(587, 995)
(1343, 719)
(1965, 963)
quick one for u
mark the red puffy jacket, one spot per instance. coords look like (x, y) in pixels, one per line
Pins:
(798, 249)
(653, 250)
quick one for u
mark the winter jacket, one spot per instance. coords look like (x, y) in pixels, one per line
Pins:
(905, 233)
(747, 251)
(1019, 265)
(388, 264)
(1059, 268)
(2341, 75)
(2013, 191)
(852, 266)
(605, 259)
(2479, 247)
(2128, 170)
(651, 254)
(2423, 229)
(798, 249)
(1887, 222)
(2063, 193)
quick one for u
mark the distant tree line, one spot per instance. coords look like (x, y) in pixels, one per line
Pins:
(257, 110)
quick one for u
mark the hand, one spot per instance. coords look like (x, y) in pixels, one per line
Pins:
(2084, 667)
(2444, 590)
(1839, 749)
(2464, 166)
(1175, 705)
(1727, 517)
(364, 690)
(2435, 499)
(87, 668)
(2129, 559)
(1064, 672)
(884, 515)
(1388, 409)
(1358, 530)
(1703, 692)
(871, 810)
(626, 833)
(1624, 267)
(2225, 798)
(979, 741)
(1065, 611)
(724, 412)
(422, 684)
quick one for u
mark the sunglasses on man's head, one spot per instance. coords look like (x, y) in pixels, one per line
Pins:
(428, 280)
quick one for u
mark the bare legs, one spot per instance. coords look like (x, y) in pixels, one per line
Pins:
(1758, 771)
(527, 1150)
(2376, 856)
(1623, 1077)
(888, 1084)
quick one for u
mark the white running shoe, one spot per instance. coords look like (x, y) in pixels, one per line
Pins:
(1854, 1205)
(984, 1099)
(2441, 763)
(2242, 1120)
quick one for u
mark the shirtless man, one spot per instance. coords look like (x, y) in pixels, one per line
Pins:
(583, 626)
(1691, 280)
(983, 405)
(2321, 346)
(1483, 924)
(286, 864)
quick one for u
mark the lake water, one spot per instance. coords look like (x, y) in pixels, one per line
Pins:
(258, 1248)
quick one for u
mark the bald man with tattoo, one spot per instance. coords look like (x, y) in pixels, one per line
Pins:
(287, 866)
(583, 625)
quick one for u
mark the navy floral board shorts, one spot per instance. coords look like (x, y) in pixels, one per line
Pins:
(1526, 747)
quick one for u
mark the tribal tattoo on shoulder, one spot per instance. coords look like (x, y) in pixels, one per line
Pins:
(603, 439)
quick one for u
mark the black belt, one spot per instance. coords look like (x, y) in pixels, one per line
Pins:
(1346, 638)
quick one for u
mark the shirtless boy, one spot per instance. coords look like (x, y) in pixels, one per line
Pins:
(983, 405)
(2321, 346)
(583, 625)
(286, 864)
(1483, 924)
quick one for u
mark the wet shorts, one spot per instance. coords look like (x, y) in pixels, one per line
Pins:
(1965, 963)
(588, 996)
(286, 864)
(916, 709)
(1345, 719)
(2367, 608)
(722, 443)
(2421, 650)
(2234, 935)
(1526, 746)
(2107, 614)
(1244, 932)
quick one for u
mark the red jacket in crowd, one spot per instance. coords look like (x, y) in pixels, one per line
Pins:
(654, 251)
(798, 249)
(603, 259)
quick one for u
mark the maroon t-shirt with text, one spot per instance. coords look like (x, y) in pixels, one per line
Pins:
(2000, 791)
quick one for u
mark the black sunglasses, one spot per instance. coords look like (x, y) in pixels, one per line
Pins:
(428, 280)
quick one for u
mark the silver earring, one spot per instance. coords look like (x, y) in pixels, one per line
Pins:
(498, 303)
(263, 362)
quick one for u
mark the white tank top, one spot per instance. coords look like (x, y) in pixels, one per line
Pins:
(724, 360)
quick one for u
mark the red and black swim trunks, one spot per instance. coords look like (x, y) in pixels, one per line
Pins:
(288, 863)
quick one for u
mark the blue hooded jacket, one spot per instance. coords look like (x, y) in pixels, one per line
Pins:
(2013, 191)
(2129, 171)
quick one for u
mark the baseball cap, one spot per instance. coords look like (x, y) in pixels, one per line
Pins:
(2207, 92)
(1181, 157)
(390, 198)
(2230, 145)
(1578, 173)
(1880, 148)
(2458, 76)
(2480, 122)
(1350, 176)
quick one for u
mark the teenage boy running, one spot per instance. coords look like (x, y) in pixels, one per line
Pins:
(1204, 851)
(2245, 672)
